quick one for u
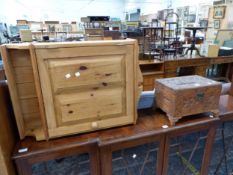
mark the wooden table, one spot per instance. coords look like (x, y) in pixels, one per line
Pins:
(154, 69)
(102, 145)
(200, 64)
(221, 162)
(193, 47)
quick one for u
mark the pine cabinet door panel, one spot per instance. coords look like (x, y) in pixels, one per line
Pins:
(86, 71)
(87, 88)
(86, 105)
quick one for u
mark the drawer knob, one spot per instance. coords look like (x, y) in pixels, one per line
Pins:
(94, 125)
(67, 76)
(77, 74)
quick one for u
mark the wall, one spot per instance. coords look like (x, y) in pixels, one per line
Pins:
(72, 10)
(62, 10)
(146, 6)
(182, 3)
(225, 23)
(152, 6)
(148, 18)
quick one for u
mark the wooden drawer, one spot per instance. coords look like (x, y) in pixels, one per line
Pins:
(148, 87)
(85, 106)
(150, 79)
(83, 72)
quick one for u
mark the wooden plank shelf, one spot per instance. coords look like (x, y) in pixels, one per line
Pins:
(153, 73)
(146, 62)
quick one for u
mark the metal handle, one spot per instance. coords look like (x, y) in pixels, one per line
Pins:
(200, 96)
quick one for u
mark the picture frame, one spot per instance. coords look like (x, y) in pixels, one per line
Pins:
(180, 13)
(191, 18)
(217, 24)
(229, 1)
(1, 27)
(219, 2)
(219, 12)
(186, 11)
(160, 15)
(223, 35)
(203, 22)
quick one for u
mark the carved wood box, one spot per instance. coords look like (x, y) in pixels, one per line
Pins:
(187, 95)
(60, 89)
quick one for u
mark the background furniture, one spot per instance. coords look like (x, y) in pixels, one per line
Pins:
(154, 69)
(193, 47)
(171, 29)
(7, 133)
(152, 42)
(151, 70)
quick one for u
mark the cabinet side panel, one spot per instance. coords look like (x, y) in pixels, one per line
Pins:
(13, 90)
(20, 78)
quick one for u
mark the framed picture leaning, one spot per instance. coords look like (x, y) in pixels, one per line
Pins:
(219, 12)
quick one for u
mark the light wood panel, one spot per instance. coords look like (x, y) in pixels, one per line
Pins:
(65, 88)
(26, 90)
(23, 74)
(19, 58)
(20, 78)
(80, 51)
(85, 72)
(84, 105)
(29, 105)
(42, 117)
(13, 91)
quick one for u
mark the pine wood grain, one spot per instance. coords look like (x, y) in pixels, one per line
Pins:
(42, 117)
(105, 89)
(45, 97)
(20, 78)
(13, 91)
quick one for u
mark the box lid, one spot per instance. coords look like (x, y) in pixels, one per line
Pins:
(187, 82)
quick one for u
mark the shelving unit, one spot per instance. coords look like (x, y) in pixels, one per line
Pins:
(151, 70)
(170, 34)
(171, 28)
(38, 35)
(152, 38)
